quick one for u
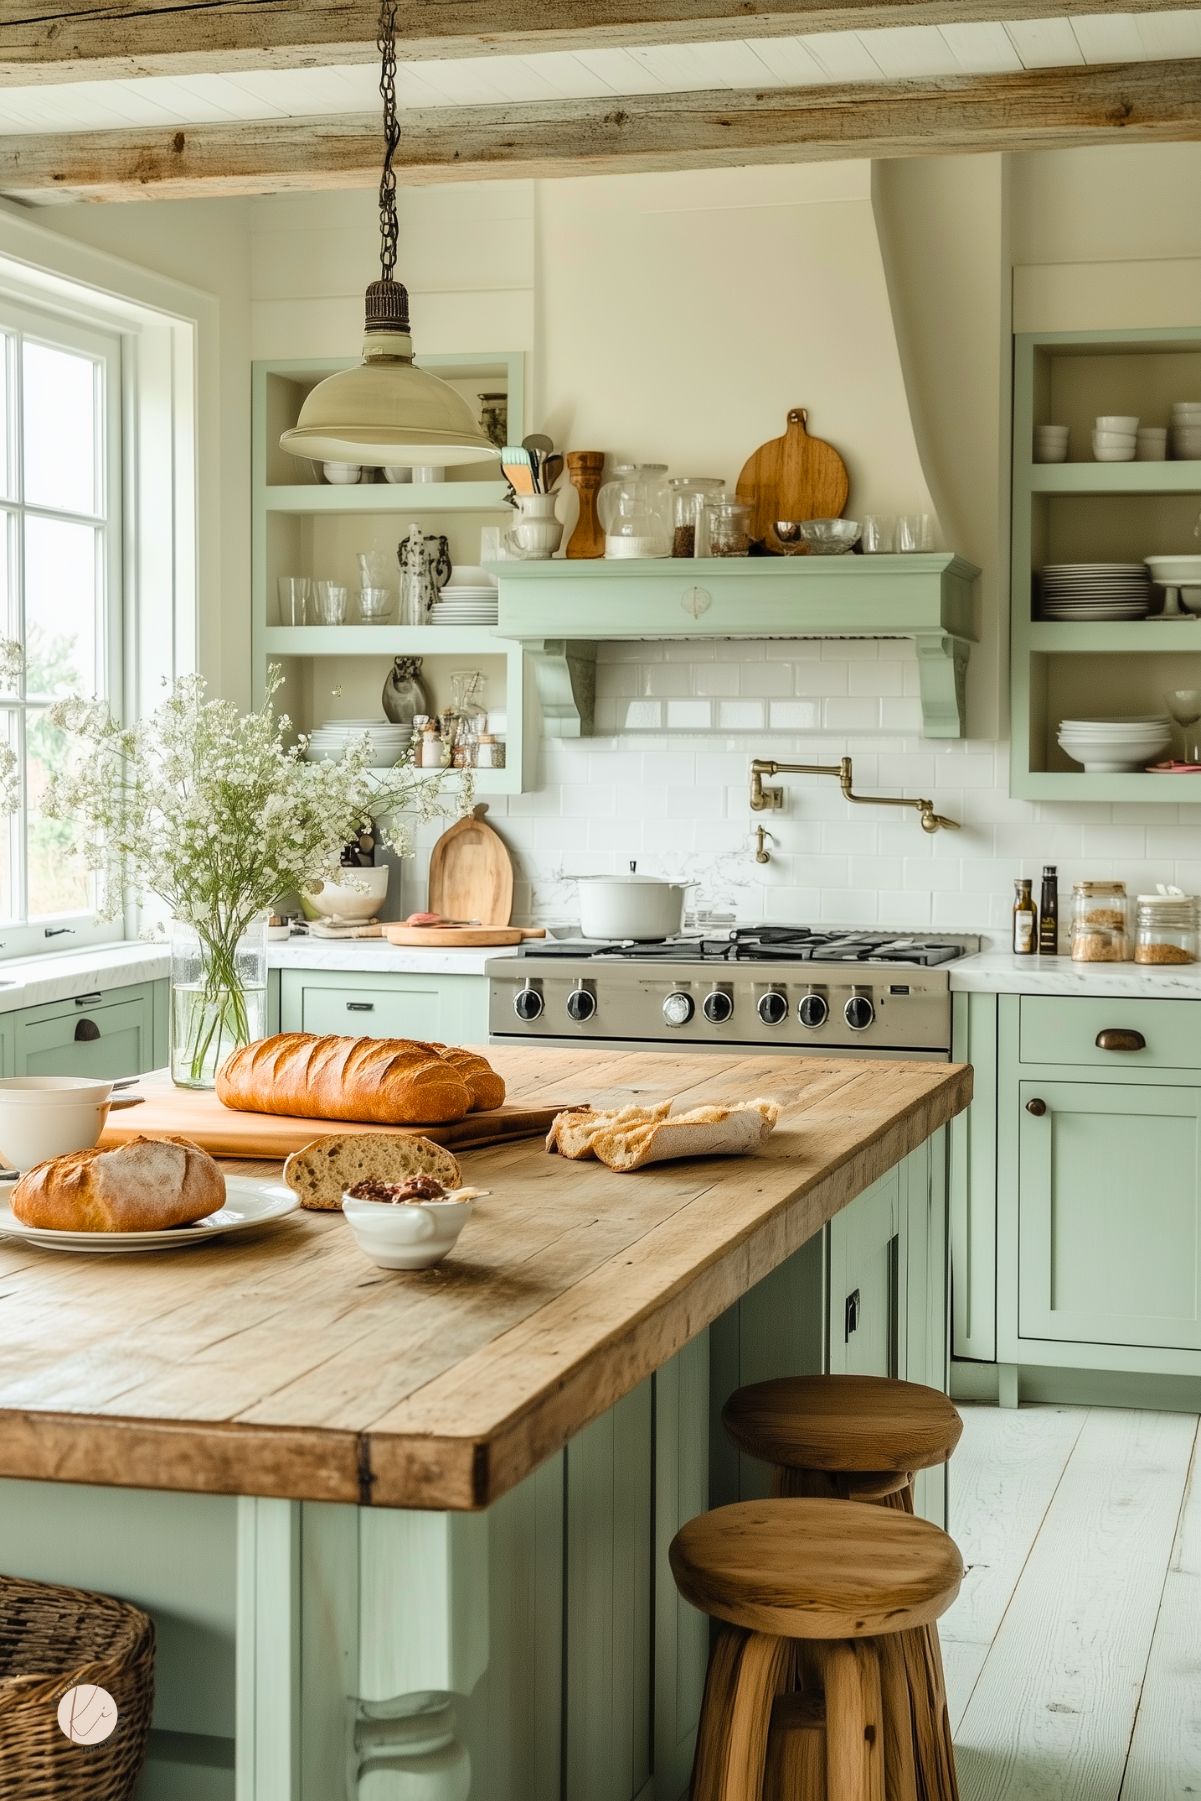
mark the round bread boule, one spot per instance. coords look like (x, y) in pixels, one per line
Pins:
(144, 1185)
(322, 1171)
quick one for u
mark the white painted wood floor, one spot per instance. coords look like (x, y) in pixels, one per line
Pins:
(1073, 1653)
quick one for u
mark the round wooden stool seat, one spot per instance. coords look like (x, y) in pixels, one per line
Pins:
(816, 1569)
(843, 1424)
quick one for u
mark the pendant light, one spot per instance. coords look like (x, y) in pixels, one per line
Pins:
(386, 411)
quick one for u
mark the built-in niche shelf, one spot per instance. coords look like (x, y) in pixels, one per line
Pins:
(1097, 512)
(559, 611)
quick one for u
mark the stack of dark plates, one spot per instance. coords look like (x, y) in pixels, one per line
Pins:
(1095, 591)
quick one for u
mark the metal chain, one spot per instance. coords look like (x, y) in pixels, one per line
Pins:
(389, 230)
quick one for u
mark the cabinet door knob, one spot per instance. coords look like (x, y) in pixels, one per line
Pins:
(1119, 1038)
(86, 1031)
(1037, 1107)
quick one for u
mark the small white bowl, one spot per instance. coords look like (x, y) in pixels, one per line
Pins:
(1186, 408)
(342, 475)
(47, 1116)
(1123, 422)
(1115, 440)
(397, 476)
(356, 898)
(1051, 452)
(408, 1235)
(1101, 454)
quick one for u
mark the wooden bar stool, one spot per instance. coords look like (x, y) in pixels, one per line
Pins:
(862, 1438)
(840, 1584)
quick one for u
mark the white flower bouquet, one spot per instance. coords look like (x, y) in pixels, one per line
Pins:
(215, 811)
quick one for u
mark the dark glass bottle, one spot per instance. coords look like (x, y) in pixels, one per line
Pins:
(1048, 913)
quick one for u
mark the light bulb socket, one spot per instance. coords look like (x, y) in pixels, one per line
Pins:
(387, 307)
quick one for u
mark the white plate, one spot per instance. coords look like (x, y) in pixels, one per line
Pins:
(247, 1204)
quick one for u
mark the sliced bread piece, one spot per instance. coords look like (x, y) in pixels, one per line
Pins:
(324, 1169)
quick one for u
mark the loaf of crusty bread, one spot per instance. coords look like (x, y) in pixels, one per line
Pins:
(487, 1088)
(144, 1185)
(322, 1171)
(378, 1081)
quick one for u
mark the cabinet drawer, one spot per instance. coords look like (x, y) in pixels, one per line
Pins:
(364, 1008)
(102, 1035)
(1058, 1029)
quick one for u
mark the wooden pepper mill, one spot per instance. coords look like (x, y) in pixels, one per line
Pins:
(586, 467)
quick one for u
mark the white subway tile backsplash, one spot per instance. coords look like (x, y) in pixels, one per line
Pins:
(794, 715)
(689, 715)
(876, 679)
(643, 715)
(851, 715)
(669, 678)
(766, 680)
(741, 715)
(820, 678)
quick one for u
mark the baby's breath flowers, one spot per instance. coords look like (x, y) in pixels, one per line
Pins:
(215, 811)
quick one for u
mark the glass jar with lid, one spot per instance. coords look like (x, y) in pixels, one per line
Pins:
(1166, 929)
(689, 494)
(729, 528)
(633, 510)
(1100, 923)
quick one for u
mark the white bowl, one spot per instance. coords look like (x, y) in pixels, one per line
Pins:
(1183, 409)
(409, 1235)
(1051, 452)
(1048, 431)
(355, 899)
(397, 476)
(47, 1116)
(342, 475)
(1104, 454)
(1126, 422)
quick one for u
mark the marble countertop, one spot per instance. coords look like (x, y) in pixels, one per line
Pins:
(996, 972)
(380, 957)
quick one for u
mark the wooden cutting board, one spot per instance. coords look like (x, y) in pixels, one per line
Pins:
(793, 477)
(453, 937)
(198, 1115)
(471, 874)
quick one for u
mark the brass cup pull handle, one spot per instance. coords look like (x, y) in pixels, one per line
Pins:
(1120, 1038)
(1037, 1107)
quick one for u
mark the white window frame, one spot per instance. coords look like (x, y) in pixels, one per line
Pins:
(20, 324)
(170, 435)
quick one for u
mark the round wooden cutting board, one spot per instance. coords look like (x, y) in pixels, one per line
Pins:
(471, 875)
(793, 477)
(453, 937)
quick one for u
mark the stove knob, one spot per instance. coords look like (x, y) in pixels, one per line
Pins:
(581, 1005)
(813, 1010)
(859, 1013)
(527, 1004)
(773, 1008)
(678, 1008)
(718, 1007)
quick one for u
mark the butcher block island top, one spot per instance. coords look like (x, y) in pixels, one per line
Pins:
(288, 1365)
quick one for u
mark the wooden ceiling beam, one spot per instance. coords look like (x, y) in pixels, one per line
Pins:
(114, 40)
(1036, 110)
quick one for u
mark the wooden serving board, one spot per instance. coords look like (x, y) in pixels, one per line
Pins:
(793, 477)
(198, 1114)
(452, 937)
(471, 875)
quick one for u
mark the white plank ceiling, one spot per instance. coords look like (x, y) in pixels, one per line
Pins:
(839, 56)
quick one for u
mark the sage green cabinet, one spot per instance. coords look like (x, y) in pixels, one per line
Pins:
(866, 1328)
(118, 1032)
(445, 1009)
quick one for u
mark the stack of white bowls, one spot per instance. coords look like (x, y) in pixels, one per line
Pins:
(1186, 430)
(1115, 438)
(1113, 746)
(330, 741)
(1050, 443)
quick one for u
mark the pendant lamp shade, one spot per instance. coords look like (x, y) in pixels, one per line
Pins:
(385, 411)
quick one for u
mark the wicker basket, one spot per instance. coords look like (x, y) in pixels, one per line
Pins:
(51, 1640)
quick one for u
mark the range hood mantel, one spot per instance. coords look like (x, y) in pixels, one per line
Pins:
(560, 610)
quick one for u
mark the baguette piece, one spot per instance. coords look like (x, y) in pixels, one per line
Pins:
(635, 1136)
(322, 1171)
(379, 1081)
(144, 1185)
(487, 1088)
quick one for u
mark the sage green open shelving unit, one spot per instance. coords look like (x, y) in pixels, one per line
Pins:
(302, 525)
(1097, 512)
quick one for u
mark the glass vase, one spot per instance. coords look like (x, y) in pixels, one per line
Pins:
(218, 997)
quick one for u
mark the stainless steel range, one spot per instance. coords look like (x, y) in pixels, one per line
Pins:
(783, 987)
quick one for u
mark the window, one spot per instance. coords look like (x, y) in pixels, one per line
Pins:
(60, 596)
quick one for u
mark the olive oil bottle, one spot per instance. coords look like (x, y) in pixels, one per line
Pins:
(1048, 913)
(1025, 919)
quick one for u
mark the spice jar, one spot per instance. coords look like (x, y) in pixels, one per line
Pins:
(1166, 928)
(431, 751)
(689, 494)
(729, 527)
(489, 752)
(1099, 923)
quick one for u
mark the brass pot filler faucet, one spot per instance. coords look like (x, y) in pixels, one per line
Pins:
(764, 800)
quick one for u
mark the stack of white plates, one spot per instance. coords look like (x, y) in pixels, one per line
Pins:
(329, 741)
(1096, 591)
(1109, 746)
(465, 605)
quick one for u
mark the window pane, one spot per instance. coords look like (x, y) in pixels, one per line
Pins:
(60, 607)
(8, 824)
(57, 879)
(6, 417)
(60, 418)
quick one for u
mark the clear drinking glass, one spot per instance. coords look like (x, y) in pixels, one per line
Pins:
(913, 531)
(294, 595)
(879, 533)
(375, 604)
(332, 599)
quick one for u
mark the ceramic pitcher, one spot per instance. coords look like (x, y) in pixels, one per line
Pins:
(537, 533)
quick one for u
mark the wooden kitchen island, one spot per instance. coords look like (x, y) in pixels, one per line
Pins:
(404, 1533)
